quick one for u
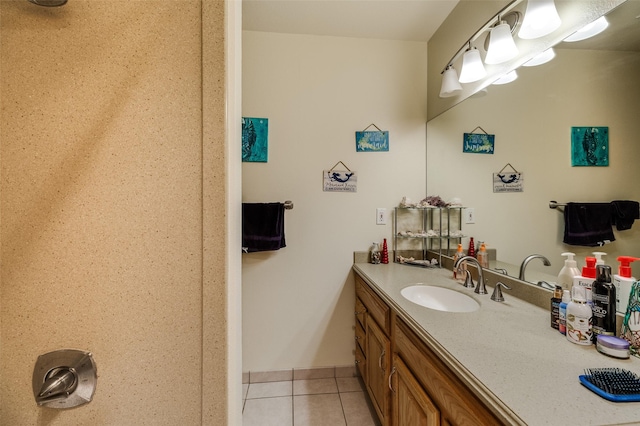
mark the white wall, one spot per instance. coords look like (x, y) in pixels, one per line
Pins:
(532, 119)
(317, 92)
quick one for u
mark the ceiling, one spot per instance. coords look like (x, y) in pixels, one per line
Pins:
(409, 20)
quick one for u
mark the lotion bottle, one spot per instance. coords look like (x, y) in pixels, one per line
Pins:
(568, 272)
(604, 303)
(586, 279)
(622, 281)
(483, 256)
(459, 273)
(555, 307)
(579, 326)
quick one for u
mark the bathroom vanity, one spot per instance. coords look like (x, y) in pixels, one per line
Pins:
(500, 364)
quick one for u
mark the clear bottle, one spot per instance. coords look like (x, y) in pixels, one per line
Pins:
(459, 273)
(562, 311)
(375, 253)
(568, 272)
(604, 303)
(483, 256)
(579, 325)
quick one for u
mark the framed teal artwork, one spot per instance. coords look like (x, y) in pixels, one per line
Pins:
(589, 146)
(255, 139)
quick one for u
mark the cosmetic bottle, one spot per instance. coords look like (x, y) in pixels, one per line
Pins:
(598, 255)
(622, 282)
(555, 307)
(568, 272)
(579, 326)
(562, 311)
(459, 273)
(586, 278)
(483, 256)
(604, 303)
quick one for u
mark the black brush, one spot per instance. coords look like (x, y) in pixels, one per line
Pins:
(613, 384)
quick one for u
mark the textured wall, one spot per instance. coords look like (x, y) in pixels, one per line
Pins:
(101, 204)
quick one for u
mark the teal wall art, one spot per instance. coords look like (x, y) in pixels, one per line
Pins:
(255, 141)
(589, 146)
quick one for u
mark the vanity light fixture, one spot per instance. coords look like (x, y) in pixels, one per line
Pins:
(541, 58)
(472, 67)
(450, 84)
(507, 78)
(540, 18)
(501, 45)
(589, 30)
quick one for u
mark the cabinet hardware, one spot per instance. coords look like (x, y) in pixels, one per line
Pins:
(390, 376)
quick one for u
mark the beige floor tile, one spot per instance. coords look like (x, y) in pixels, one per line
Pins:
(346, 371)
(349, 384)
(318, 410)
(356, 409)
(314, 386)
(268, 412)
(269, 389)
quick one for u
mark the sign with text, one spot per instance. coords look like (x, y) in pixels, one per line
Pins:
(339, 181)
(478, 143)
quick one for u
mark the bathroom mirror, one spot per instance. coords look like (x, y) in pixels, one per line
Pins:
(590, 83)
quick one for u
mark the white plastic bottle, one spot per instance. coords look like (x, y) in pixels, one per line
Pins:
(483, 256)
(622, 281)
(579, 318)
(459, 273)
(568, 272)
(598, 255)
(587, 278)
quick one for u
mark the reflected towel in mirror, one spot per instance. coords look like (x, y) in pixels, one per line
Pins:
(588, 224)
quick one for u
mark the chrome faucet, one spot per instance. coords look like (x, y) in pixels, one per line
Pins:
(480, 288)
(528, 259)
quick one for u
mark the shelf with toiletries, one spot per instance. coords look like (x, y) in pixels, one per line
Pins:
(421, 229)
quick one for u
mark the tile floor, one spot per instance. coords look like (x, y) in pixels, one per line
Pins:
(334, 401)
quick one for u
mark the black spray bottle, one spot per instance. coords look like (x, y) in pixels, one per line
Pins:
(604, 303)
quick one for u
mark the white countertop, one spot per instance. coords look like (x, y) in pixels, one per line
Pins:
(507, 353)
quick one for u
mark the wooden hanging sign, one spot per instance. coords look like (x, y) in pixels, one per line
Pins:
(508, 181)
(334, 180)
(478, 143)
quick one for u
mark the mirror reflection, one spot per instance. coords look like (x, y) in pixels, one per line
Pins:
(592, 83)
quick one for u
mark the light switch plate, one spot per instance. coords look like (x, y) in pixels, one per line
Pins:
(381, 216)
(470, 215)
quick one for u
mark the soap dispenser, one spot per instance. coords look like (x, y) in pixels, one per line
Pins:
(622, 281)
(459, 273)
(598, 255)
(483, 256)
(586, 279)
(568, 272)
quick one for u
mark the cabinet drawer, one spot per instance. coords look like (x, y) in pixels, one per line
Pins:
(361, 310)
(376, 308)
(361, 363)
(456, 402)
(360, 336)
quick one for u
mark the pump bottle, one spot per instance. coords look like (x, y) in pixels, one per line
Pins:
(604, 303)
(622, 281)
(459, 273)
(483, 256)
(586, 279)
(598, 255)
(568, 272)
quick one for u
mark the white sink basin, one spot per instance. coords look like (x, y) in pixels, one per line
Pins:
(439, 298)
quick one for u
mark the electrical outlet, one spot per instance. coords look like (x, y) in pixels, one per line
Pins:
(381, 216)
(469, 215)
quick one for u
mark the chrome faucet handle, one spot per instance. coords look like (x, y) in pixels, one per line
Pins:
(497, 292)
(468, 281)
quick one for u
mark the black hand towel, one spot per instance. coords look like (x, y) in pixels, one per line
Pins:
(624, 213)
(588, 224)
(262, 226)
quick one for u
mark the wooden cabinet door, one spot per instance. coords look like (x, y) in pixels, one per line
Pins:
(411, 405)
(377, 365)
